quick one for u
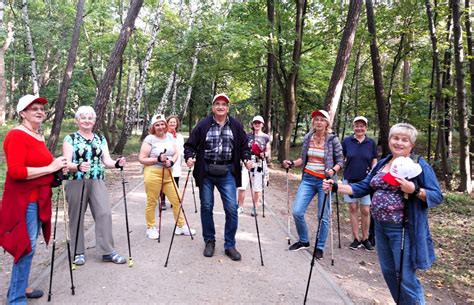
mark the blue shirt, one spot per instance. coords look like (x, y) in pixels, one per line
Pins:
(359, 156)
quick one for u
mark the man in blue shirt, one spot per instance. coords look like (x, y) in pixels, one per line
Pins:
(360, 155)
(216, 145)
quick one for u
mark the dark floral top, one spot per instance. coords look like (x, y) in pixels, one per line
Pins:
(387, 201)
(87, 151)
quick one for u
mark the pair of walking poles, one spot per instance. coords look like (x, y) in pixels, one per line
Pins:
(72, 265)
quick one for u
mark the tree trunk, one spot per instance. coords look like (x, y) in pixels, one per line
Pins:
(378, 81)
(446, 82)
(267, 114)
(470, 51)
(131, 115)
(71, 60)
(3, 49)
(464, 164)
(105, 87)
(438, 103)
(184, 107)
(288, 80)
(29, 45)
(175, 93)
(336, 83)
(166, 94)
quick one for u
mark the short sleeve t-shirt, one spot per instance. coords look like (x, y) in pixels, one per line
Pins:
(261, 140)
(159, 145)
(359, 156)
(85, 150)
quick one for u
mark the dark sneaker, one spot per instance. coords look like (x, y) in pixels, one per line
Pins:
(209, 249)
(298, 246)
(355, 244)
(35, 294)
(233, 254)
(319, 254)
(367, 245)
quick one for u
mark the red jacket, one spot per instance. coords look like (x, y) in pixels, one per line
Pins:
(14, 236)
(23, 151)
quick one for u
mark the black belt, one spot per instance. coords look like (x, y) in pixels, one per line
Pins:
(220, 162)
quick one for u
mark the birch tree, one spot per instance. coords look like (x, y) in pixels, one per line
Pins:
(130, 118)
(3, 50)
(29, 46)
(105, 86)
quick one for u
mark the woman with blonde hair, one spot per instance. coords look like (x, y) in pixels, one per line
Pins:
(159, 153)
(321, 156)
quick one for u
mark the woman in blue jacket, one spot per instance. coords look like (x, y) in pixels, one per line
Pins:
(392, 206)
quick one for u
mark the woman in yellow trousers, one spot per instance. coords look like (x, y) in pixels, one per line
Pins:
(158, 154)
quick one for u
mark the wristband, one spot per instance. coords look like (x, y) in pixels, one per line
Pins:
(117, 165)
(79, 165)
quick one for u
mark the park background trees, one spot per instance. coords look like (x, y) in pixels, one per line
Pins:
(408, 62)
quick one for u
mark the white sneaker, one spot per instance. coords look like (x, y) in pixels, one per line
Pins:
(240, 211)
(152, 233)
(184, 230)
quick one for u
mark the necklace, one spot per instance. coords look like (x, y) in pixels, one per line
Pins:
(38, 132)
(318, 140)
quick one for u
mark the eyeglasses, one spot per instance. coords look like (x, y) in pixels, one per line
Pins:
(257, 122)
(35, 109)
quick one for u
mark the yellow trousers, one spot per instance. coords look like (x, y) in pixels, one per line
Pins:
(153, 182)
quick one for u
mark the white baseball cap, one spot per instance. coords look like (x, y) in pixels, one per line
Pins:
(322, 113)
(221, 96)
(27, 100)
(258, 118)
(157, 118)
(361, 118)
(402, 167)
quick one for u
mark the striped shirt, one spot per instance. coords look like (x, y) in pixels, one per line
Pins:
(219, 142)
(315, 165)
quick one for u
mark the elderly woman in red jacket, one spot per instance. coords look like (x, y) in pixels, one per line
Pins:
(26, 202)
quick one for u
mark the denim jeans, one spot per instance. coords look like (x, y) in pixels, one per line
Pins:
(309, 187)
(21, 270)
(388, 239)
(227, 188)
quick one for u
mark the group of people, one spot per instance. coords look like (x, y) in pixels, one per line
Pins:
(223, 156)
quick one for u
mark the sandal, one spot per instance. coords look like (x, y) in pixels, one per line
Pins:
(114, 258)
(80, 259)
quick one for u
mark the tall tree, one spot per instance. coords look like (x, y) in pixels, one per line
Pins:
(438, 102)
(464, 165)
(3, 50)
(339, 72)
(105, 86)
(382, 112)
(29, 45)
(131, 116)
(267, 114)
(470, 53)
(71, 60)
(287, 79)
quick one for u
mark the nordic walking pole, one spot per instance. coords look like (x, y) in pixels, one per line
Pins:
(338, 223)
(181, 205)
(256, 222)
(263, 187)
(78, 223)
(130, 260)
(179, 212)
(330, 228)
(288, 206)
(194, 196)
(68, 238)
(161, 192)
(315, 247)
(54, 247)
(402, 246)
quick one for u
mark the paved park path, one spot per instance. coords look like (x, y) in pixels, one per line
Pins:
(189, 278)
